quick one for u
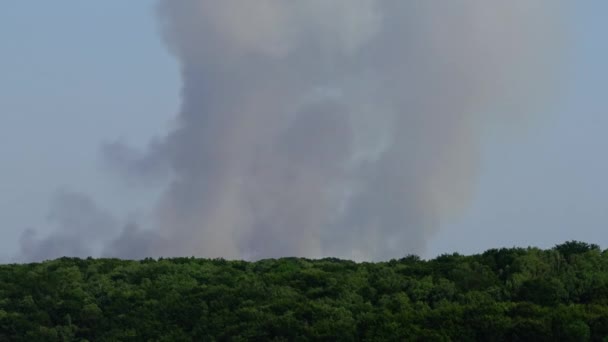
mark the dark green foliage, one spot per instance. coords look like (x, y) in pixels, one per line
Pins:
(570, 248)
(514, 294)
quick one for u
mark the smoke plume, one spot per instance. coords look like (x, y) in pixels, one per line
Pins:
(346, 128)
(79, 228)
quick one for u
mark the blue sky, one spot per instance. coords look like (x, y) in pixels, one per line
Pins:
(549, 184)
(76, 74)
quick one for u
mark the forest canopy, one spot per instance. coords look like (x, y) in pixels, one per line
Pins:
(515, 294)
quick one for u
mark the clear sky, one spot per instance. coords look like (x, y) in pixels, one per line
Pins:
(76, 74)
(549, 184)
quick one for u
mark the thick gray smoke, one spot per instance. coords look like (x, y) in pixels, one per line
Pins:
(346, 128)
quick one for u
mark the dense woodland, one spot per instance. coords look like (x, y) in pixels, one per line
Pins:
(516, 294)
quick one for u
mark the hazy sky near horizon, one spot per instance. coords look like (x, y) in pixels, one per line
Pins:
(75, 75)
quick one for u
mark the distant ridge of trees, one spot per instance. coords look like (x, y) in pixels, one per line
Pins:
(507, 294)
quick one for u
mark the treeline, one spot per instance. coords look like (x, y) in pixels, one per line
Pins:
(515, 294)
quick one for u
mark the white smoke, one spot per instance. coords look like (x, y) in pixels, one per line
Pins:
(346, 128)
